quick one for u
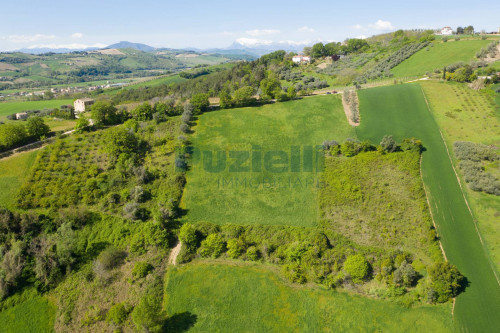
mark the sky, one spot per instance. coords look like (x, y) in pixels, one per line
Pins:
(218, 23)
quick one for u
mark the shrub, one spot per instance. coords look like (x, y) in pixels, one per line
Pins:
(110, 258)
(253, 253)
(357, 267)
(405, 274)
(188, 237)
(235, 248)
(118, 313)
(141, 269)
(446, 281)
(388, 144)
(213, 246)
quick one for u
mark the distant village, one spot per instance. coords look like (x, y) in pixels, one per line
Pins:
(64, 91)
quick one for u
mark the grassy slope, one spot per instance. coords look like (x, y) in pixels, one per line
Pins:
(438, 56)
(477, 122)
(225, 298)
(402, 111)
(13, 171)
(278, 126)
(7, 108)
(34, 315)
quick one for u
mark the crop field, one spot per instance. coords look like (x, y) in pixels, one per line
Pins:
(468, 115)
(33, 315)
(215, 297)
(7, 108)
(13, 171)
(258, 192)
(402, 111)
(439, 55)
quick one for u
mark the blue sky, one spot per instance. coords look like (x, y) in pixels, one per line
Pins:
(218, 23)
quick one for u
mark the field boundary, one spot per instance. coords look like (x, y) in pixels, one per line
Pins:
(463, 194)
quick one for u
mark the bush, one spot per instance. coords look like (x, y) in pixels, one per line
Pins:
(213, 246)
(405, 275)
(188, 237)
(235, 248)
(118, 313)
(357, 267)
(111, 258)
(446, 281)
(141, 269)
(388, 144)
(253, 253)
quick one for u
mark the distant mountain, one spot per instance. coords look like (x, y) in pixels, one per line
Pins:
(129, 45)
(50, 50)
(260, 48)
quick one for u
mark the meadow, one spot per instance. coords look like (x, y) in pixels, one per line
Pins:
(36, 314)
(468, 115)
(7, 108)
(439, 55)
(402, 111)
(287, 197)
(252, 298)
(13, 171)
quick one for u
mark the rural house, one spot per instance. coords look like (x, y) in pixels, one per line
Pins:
(83, 104)
(301, 59)
(446, 31)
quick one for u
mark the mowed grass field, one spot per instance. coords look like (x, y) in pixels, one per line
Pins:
(402, 111)
(468, 115)
(252, 298)
(254, 196)
(439, 55)
(7, 108)
(13, 171)
(36, 314)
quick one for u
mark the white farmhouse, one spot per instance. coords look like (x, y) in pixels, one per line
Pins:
(21, 115)
(83, 104)
(447, 31)
(301, 59)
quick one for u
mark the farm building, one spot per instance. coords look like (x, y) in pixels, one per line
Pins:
(446, 31)
(21, 115)
(301, 59)
(83, 104)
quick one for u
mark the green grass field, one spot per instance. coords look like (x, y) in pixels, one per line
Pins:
(13, 171)
(33, 315)
(402, 111)
(438, 56)
(7, 108)
(262, 197)
(468, 115)
(232, 298)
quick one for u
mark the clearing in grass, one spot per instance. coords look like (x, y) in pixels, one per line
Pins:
(258, 193)
(252, 298)
(402, 111)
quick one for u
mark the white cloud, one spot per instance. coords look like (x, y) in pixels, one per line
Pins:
(28, 38)
(262, 32)
(65, 46)
(253, 41)
(77, 35)
(382, 25)
(305, 29)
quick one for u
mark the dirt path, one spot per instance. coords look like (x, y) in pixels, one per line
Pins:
(347, 111)
(172, 259)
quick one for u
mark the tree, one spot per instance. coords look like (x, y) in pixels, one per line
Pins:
(118, 313)
(148, 315)
(460, 31)
(36, 128)
(291, 92)
(332, 48)
(188, 237)
(213, 246)
(318, 50)
(244, 96)
(388, 144)
(225, 100)
(103, 113)
(235, 248)
(469, 30)
(120, 141)
(12, 135)
(270, 85)
(355, 45)
(357, 267)
(82, 124)
(447, 281)
(143, 112)
(405, 274)
(200, 103)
